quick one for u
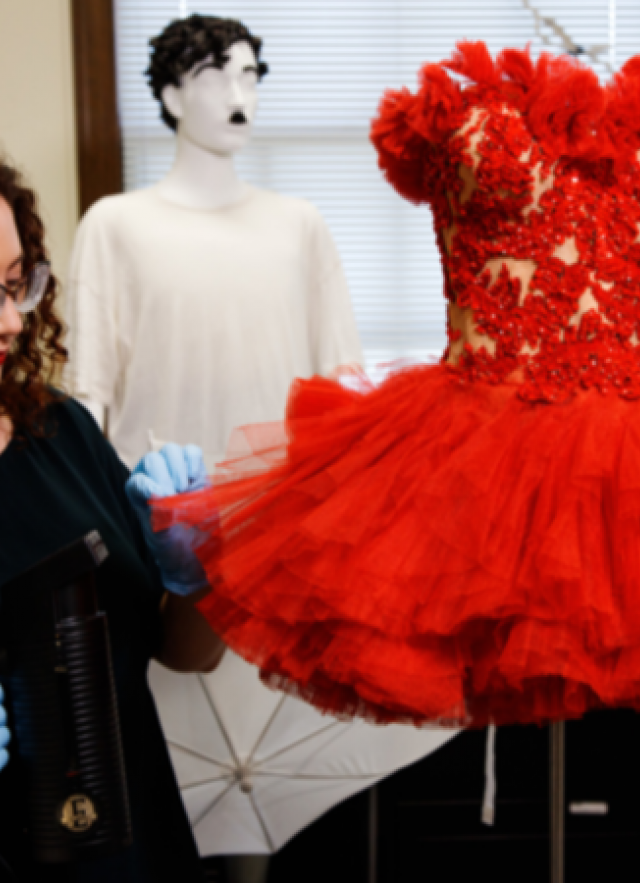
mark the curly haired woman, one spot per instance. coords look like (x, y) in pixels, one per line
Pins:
(59, 479)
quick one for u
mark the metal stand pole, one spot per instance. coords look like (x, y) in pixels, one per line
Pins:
(556, 801)
(373, 835)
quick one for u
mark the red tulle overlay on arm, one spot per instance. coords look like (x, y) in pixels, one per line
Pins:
(432, 550)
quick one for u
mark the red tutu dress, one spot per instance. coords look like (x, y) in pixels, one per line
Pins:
(461, 544)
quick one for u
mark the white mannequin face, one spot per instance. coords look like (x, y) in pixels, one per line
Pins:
(215, 108)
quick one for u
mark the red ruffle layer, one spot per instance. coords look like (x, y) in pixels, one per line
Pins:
(431, 551)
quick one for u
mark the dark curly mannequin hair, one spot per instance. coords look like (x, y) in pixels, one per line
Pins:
(25, 389)
(187, 41)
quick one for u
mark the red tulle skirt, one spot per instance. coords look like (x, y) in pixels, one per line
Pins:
(431, 551)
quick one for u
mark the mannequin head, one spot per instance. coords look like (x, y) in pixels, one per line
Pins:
(204, 72)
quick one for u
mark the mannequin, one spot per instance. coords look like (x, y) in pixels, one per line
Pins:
(193, 305)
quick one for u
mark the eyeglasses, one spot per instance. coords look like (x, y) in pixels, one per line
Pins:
(26, 293)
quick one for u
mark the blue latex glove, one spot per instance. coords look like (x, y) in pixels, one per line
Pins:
(5, 734)
(174, 470)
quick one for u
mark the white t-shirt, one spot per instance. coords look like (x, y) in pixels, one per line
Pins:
(189, 323)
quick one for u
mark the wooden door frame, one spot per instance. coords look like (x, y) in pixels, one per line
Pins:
(98, 136)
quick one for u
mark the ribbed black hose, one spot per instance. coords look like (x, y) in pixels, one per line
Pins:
(68, 735)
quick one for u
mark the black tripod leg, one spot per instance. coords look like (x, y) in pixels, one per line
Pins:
(372, 876)
(556, 800)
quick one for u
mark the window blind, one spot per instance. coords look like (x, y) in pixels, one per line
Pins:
(330, 62)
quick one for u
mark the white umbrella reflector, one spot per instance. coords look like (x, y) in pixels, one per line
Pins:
(256, 766)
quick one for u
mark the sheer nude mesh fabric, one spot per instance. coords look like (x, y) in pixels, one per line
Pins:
(548, 319)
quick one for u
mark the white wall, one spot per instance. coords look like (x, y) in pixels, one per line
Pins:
(36, 111)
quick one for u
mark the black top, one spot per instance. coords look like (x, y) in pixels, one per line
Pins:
(55, 490)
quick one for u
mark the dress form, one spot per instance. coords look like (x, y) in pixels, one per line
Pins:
(203, 175)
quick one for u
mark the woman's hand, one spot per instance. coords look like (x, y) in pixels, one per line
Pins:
(188, 642)
(174, 470)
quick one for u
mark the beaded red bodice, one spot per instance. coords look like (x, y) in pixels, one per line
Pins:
(532, 174)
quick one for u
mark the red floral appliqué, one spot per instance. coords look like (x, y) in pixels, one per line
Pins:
(515, 125)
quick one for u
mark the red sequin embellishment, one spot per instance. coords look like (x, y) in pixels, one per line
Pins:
(533, 176)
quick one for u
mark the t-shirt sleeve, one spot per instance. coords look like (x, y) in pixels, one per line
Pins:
(92, 291)
(333, 333)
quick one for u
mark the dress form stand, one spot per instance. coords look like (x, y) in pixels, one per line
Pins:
(556, 800)
(372, 857)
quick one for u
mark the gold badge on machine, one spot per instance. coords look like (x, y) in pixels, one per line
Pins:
(78, 813)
